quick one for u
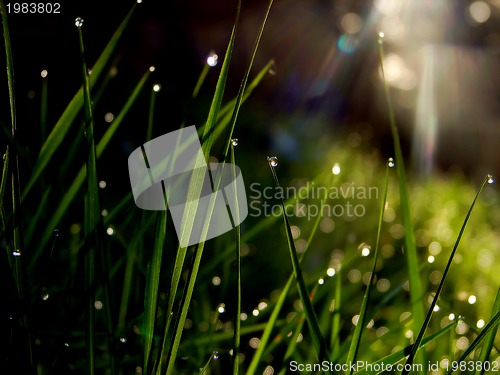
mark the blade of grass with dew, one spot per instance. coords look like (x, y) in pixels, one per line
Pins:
(67, 118)
(264, 339)
(398, 356)
(74, 188)
(358, 331)
(490, 338)
(237, 234)
(92, 212)
(335, 335)
(152, 286)
(416, 290)
(312, 320)
(428, 317)
(242, 88)
(492, 324)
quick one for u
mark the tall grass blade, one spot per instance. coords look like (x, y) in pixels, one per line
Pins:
(312, 319)
(152, 285)
(66, 120)
(271, 323)
(418, 340)
(490, 327)
(416, 290)
(92, 212)
(237, 234)
(490, 338)
(353, 350)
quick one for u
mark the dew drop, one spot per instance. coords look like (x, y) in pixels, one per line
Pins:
(365, 249)
(391, 163)
(273, 161)
(216, 355)
(66, 344)
(44, 73)
(57, 232)
(234, 142)
(45, 294)
(156, 87)
(272, 69)
(336, 169)
(78, 22)
(123, 340)
(152, 68)
(490, 179)
(212, 59)
(16, 253)
(381, 37)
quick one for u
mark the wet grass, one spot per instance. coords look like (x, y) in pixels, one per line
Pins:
(251, 301)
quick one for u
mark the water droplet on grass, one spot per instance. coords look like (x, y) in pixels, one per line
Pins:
(234, 142)
(44, 73)
(57, 232)
(273, 161)
(490, 179)
(45, 294)
(78, 22)
(212, 59)
(156, 87)
(16, 253)
(216, 355)
(391, 163)
(336, 169)
(381, 37)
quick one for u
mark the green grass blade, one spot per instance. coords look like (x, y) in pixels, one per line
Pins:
(353, 350)
(396, 357)
(241, 91)
(312, 319)
(428, 317)
(416, 290)
(492, 324)
(151, 295)
(271, 323)
(74, 188)
(490, 338)
(335, 335)
(92, 212)
(66, 120)
(237, 320)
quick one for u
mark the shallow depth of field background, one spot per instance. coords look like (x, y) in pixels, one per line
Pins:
(321, 105)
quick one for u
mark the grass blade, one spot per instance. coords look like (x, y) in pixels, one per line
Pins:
(416, 290)
(92, 212)
(271, 323)
(312, 319)
(151, 295)
(353, 350)
(418, 340)
(237, 234)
